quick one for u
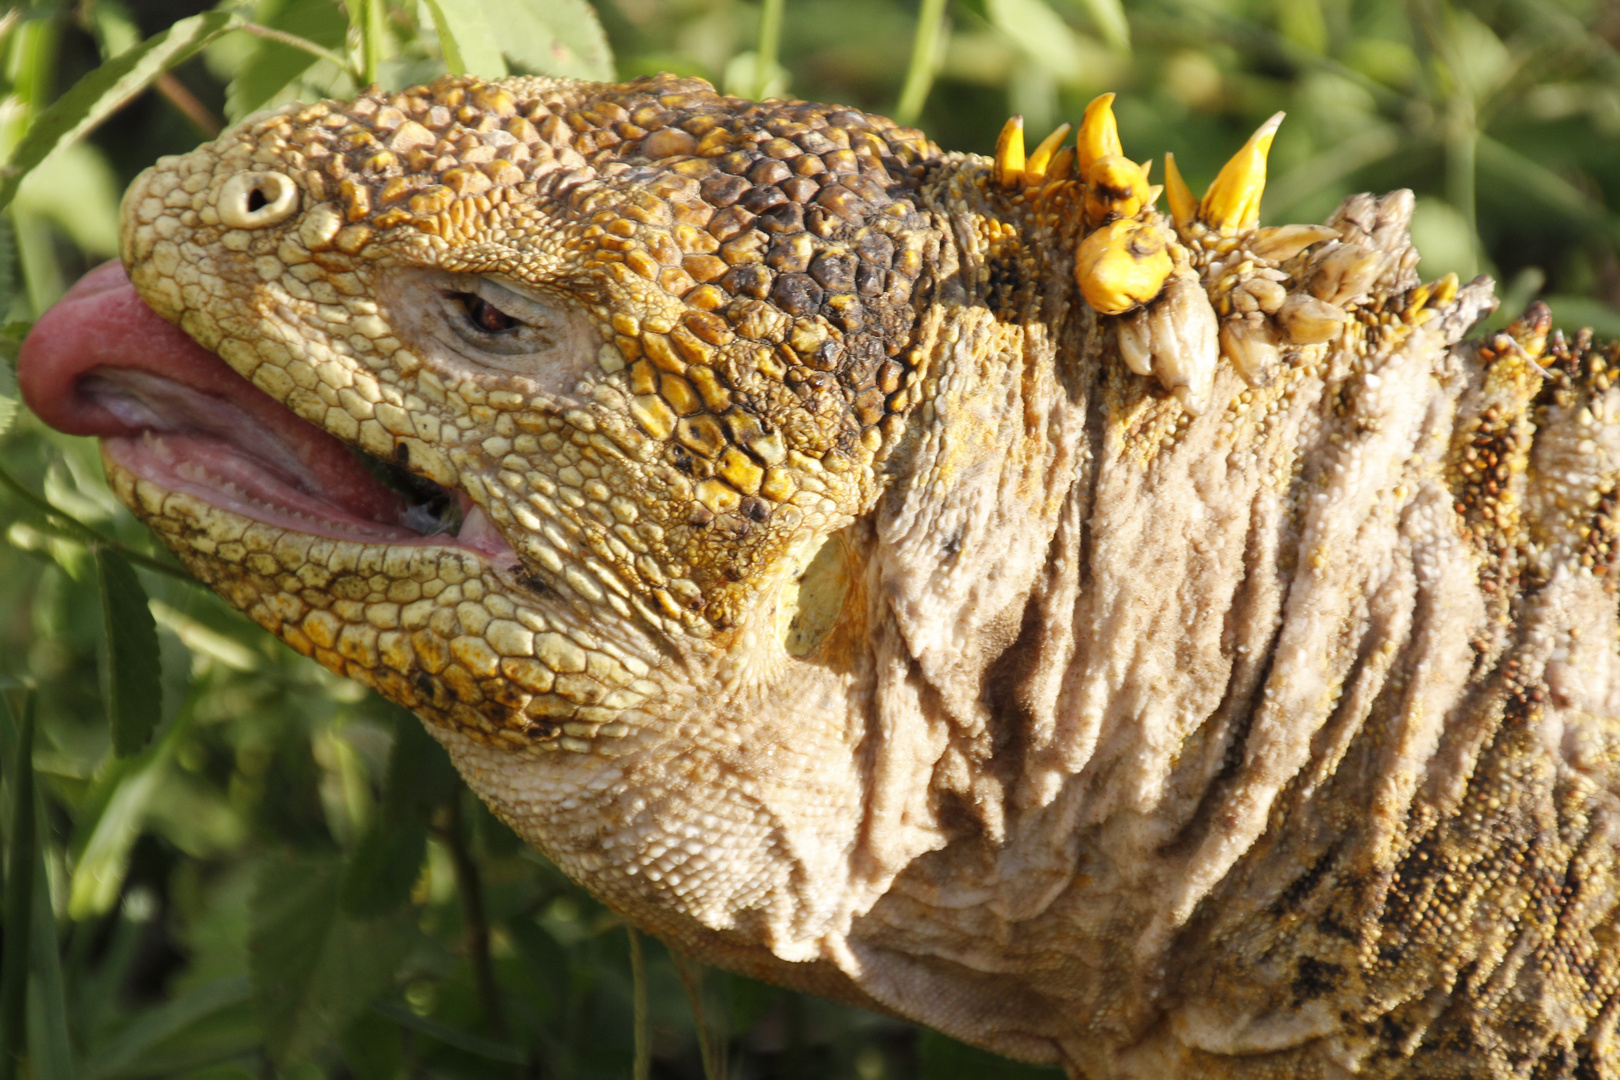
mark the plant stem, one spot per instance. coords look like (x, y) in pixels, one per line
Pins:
(770, 43)
(470, 890)
(306, 45)
(371, 32)
(184, 100)
(920, 71)
(74, 529)
(642, 1069)
(711, 1049)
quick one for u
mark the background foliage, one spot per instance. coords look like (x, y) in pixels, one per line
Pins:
(221, 862)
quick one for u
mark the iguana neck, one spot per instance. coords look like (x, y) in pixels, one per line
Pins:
(827, 747)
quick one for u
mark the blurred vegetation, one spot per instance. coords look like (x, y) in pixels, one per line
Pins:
(223, 862)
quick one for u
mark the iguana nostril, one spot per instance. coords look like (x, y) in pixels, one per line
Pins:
(257, 199)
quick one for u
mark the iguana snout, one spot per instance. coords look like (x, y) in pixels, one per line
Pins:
(102, 363)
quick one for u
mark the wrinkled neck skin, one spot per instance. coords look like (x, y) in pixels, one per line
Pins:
(1105, 723)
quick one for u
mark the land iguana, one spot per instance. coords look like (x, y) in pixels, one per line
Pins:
(1142, 641)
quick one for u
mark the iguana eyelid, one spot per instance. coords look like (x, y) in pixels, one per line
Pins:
(535, 319)
(554, 344)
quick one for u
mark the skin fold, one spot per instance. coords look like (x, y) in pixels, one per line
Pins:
(1147, 642)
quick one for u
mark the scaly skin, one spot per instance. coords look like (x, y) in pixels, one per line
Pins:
(871, 628)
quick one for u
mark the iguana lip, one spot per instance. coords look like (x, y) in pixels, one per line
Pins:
(102, 363)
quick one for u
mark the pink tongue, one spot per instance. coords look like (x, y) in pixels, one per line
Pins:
(102, 329)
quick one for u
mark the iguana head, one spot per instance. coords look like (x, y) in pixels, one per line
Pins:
(600, 362)
(574, 383)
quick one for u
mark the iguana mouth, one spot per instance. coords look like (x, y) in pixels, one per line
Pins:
(174, 414)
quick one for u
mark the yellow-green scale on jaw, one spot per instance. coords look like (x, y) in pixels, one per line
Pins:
(838, 600)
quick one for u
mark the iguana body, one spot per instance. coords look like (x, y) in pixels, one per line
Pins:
(834, 600)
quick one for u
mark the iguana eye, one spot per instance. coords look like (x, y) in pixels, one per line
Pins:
(475, 325)
(494, 319)
(485, 316)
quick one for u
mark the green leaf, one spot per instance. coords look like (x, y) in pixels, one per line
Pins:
(552, 37)
(111, 816)
(1039, 33)
(131, 675)
(272, 66)
(111, 22)
(78, 192)
(925, 60)
(313, 968)
(166, 1021)
(98, 873)
(744, 78)
(388, 859)
(1508, 171)
(465, 38)
(106, 90)
(373, 1048)
(1108, 16)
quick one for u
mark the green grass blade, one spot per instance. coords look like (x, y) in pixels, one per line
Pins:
(21, 861)
(107, 89)
(925, 56)
(372, 30)
(132, 673)
(51, 1050)
(1506, 168)
(98, 873)
(365, 20)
